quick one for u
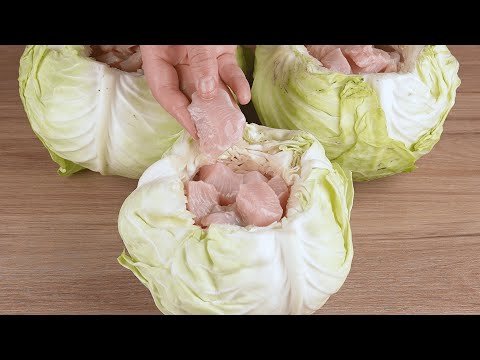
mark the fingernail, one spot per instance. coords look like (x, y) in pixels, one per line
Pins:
(206, 85)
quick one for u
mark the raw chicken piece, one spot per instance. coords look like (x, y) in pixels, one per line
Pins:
(366, 59)
(106, 48)
(202, 198)
(109, 58)
(319, 51)
(361, 59)
(228, 217)
(278, 184)
(222, 215)
(224, 208)
(133, 62)
(336, 61)
(361, 55)
(219, 123)
(258, 204)
(280, 188)
(226, 182)
(125, 49)
(393, 63)
(124, 57)
(283, 199)
(253, 177)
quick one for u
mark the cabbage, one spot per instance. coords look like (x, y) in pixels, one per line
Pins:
(289, 267)
(375, 124)
(89, 115)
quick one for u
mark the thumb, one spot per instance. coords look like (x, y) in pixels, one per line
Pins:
(204, 67)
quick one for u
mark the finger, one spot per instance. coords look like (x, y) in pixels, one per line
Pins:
(204, 67)
(187, 84)
(163, 81)
(185, 77)
(234, 77)
(222, 49)
(176, 104)
(172, 54)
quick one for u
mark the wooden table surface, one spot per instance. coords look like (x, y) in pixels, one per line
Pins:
(416, 236)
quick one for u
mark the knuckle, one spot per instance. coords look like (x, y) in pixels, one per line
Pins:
(200, 57)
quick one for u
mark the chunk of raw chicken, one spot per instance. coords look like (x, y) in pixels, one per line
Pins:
(109, 58)
(280, 188)
(219, 123)
(132, 63)
(222, 215)
(124, 57)
(202, 198)
(319, 51)
(106, 48)
(125, 50)
(227, 217)
(258, 205)
(356, 59)
(253, 177)
(225, 181)
(367, 59)
(336, 61)
(393, 63)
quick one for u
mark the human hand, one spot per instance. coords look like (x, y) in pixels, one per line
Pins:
(175, 72)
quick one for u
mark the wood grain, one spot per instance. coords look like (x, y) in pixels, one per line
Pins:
(416, 236)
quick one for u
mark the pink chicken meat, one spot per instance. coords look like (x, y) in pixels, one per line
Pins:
(202, 198)
(225, 181)
(393, 65)
(222, 215)
(336, 61)
(356, 59)
(319, 51)
(219, 123)
(280, 188)
(253, 177)
(367, 59)
(124, 57)
(258, 205)
(218, 195)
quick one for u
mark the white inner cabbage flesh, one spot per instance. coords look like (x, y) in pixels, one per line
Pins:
(358, 59)
(123, 57)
